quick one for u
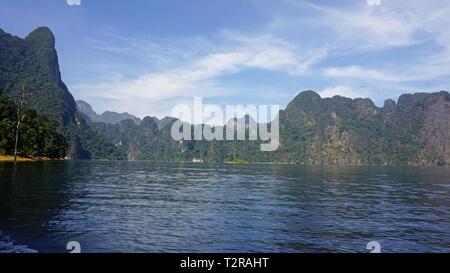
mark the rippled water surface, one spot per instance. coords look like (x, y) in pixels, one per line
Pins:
(149, 207)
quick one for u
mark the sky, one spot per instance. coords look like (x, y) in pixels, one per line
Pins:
(146, 56)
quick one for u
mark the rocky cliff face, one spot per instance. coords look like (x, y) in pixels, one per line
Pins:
(425, 119)
(29, 67)
(32, 64)
(315, 130)
(339, 130)
(147, 141)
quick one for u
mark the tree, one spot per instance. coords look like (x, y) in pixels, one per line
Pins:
(20, 118)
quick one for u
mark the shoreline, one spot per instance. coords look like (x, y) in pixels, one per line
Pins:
(10, 158)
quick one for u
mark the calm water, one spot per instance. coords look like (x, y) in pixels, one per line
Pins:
(148, 207)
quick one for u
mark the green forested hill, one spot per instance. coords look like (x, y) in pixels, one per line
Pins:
(32, 64)
(29, 68)
(315, 130)
(338, 130)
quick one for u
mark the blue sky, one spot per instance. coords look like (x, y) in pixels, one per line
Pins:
(144, 57)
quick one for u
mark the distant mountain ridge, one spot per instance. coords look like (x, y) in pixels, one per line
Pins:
(314, 130)
(106, 117)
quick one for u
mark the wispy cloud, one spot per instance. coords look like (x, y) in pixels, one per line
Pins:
(73, 2)
(344, 91)
(355, 71)
(356, 28)
(417, 72)
(374, 2)
(198, 75)
(354, 50)
(399, 26)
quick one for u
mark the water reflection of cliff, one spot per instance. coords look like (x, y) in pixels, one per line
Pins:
(31, 195)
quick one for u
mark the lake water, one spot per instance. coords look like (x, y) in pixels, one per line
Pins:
(149, 207)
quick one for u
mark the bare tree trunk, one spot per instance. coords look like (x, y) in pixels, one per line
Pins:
(20, 118)
(17, 141)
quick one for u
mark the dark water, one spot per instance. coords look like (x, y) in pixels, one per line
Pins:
(147, 207)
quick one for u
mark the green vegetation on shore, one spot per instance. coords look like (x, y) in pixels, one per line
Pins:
(237, 161)
(38, 137)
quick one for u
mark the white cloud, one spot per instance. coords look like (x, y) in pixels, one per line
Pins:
(374, 2)
(199, 77)
(368, 29)
(418, 72)
(351, 29)
(270, 53)
(347, 30)
(73, 2)
(296, 42)
(344, 91)
(355, 71)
